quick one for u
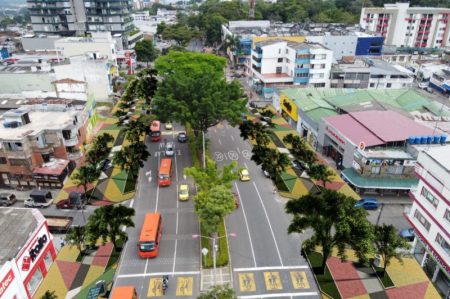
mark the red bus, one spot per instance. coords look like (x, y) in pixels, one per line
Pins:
(150, 235)
(125, 292)
(165, 172)
(155, 131)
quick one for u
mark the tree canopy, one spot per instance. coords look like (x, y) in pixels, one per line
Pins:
(145, 51)
(194, 90)
(335, 222)
(219, 292)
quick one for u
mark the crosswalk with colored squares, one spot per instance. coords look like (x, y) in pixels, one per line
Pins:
(247, 283)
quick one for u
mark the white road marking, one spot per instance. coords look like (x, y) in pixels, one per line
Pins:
(246, 224)
(238, 150)
(176, 221)
(157, 190)
(157, 273)
(220, 142)
(278, 295)
(271, 268)
(270, 225)
(232, 137)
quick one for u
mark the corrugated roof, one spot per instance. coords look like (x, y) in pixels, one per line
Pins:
(379, 182)
(317, 114)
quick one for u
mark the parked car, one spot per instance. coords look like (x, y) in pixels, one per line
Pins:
(368, 204)
(169, 150)
(182, 137)
(7, 199)
(169, 126)
(183, 193)
(39, 199)
(408, 234)
(244, 175)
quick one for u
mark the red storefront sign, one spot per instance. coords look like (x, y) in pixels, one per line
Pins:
(4, 284)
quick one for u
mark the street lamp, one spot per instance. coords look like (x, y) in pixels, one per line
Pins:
(214, 239)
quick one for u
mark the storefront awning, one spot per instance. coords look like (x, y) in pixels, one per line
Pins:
(360, 181)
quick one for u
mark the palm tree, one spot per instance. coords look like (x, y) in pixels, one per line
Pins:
(77, 236)
(387, 243)
(85, 175)
(49, 295)
(300, 150)
(233, 43)
(131, 157)
(321, 173)
(99, 149)
(107, 223)
(255, 131)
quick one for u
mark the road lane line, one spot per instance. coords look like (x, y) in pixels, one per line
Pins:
(131, 202)
(143, 275)
(232, 137)
(176, 221)
(246, 224)
(157, 274)
(270, 225)
(157, 186)
(238, 150)
(271, 268)
(220, 142)
(278, 295)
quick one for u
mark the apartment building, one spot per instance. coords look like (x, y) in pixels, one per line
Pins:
(40, 144)
(76, 17)
(430, 215)
(279, 62)
(370, 73)
(404, 26)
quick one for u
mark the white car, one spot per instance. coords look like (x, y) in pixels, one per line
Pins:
(169, 150)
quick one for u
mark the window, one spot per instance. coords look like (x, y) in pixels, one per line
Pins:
(18, 162)
(302, 75)
(279, 51)
(287, 51)
(3, 160)
(278, 70)
(430, 197)
(388, 85)
(422, 220)
(280, 59)
(372, 84)
(440, 240)
(321, 75)
(447, 215)
(35, 281)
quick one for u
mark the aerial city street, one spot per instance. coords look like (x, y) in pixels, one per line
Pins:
(224, 149)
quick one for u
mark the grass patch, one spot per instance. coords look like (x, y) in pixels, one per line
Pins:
(385, 279)
(222, 254)
(130, 185)
(325, 280)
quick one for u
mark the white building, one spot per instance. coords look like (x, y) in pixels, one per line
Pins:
(430, 214)
(276, 62)
(404, 26)
(148, 24)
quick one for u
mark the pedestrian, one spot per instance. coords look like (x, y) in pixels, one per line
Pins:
(61, 243)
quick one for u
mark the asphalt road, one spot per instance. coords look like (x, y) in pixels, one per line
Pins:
(179, 253)
(266, 261)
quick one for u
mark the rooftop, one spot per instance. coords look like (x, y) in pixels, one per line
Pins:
(377, 127)
(374, 67)
(16, 225)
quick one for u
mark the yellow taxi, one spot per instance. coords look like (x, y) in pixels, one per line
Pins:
(244, 175)
(183, 193)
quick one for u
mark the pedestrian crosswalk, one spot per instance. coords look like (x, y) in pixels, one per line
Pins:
(184, 286)
(273, 280)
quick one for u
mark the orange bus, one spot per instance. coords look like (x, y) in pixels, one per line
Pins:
(150, 235)
(125, 292)
(165, 172)
(155, 130)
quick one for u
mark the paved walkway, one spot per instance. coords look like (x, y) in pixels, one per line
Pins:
(347, 279)
(223, 276)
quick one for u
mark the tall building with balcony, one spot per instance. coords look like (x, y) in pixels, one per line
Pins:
(279, 62)
(77, 17)
(40, 144)
(430, 215)
(404, 26)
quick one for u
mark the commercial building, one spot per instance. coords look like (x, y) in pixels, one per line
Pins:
(276, 62)
(77, 17)
(27, 252)
(404, 26)
(370, 73)
(430, 215)
(41, 143)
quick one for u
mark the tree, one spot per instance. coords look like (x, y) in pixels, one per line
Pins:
(107, 223)
(335, 223)
(49, 295)
(76, 236)
(145, 51)
(300, 150)
(135, 130)
(148, 83)
(131, 157)
(99, 149)
(255, 131)
(219, 292)
(387, 243)
(182, 34)
(320, 172)
(194, 90)
(213, 205)
(160, 28)
(85, 175)
(211, 176)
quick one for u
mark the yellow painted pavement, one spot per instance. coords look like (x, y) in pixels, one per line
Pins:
(247, 282)
(366, 296)
(184, 285)
(53, 282)
(93, 273)
(273, 281)
(68, 254)
(155, 287)
(299, 280)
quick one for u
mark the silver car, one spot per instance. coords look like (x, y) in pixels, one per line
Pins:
(169, 150)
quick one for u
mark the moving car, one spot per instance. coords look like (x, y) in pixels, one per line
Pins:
(169, 126)
(408, 234)
(368, 204)
(7, 199)
(39, 199)
(182, 137)
(183, 193)
(244, 175)
(169, 151)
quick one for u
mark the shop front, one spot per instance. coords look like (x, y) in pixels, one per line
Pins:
(289, 111)
(52, 174)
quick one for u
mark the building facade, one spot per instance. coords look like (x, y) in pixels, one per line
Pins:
(276, 62)
(404, 26)
(74, 17)
(430, 215)
(40, 144)
(27, 252)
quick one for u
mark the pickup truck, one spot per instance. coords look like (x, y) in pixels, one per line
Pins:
(59, 224)
(39, 199)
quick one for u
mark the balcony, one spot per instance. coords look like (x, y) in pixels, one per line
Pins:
(424, 25)
(75, 155)
(73, 141)
(383, 19)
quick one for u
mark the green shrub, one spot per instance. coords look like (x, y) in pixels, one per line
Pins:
(222, 254)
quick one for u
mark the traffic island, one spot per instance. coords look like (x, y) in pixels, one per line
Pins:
(325, 280)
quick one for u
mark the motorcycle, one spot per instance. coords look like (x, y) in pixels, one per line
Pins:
(165, 283)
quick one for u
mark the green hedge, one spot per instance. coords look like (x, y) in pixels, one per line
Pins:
(222, 254)
(192, 146)
(325, 280)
